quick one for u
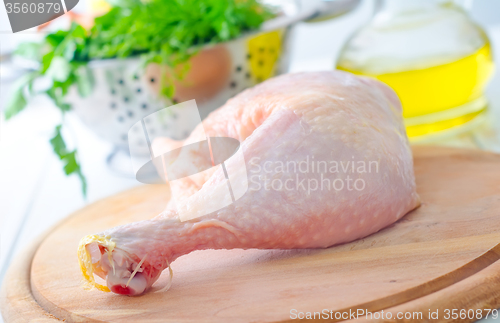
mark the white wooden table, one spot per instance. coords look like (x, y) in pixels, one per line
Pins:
(35, 194)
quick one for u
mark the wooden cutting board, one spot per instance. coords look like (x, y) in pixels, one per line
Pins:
(444, 255)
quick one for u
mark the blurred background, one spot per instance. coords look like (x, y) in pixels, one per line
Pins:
(449, 89)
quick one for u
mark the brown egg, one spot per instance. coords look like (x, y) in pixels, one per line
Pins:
(208, 74)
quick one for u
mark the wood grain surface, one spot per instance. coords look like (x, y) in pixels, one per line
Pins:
(443, 255)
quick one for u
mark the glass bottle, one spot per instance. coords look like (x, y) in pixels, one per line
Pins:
(433, 55)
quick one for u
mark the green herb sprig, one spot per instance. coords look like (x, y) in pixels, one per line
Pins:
(166, 32)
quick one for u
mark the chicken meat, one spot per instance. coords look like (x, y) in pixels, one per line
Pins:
(327, 161)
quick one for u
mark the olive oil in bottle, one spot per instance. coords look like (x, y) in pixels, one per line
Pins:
(435, 59)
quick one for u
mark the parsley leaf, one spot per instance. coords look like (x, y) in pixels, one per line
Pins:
(69, 158)
(18, 101)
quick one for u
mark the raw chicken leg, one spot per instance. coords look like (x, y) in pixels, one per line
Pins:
(307, 119)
